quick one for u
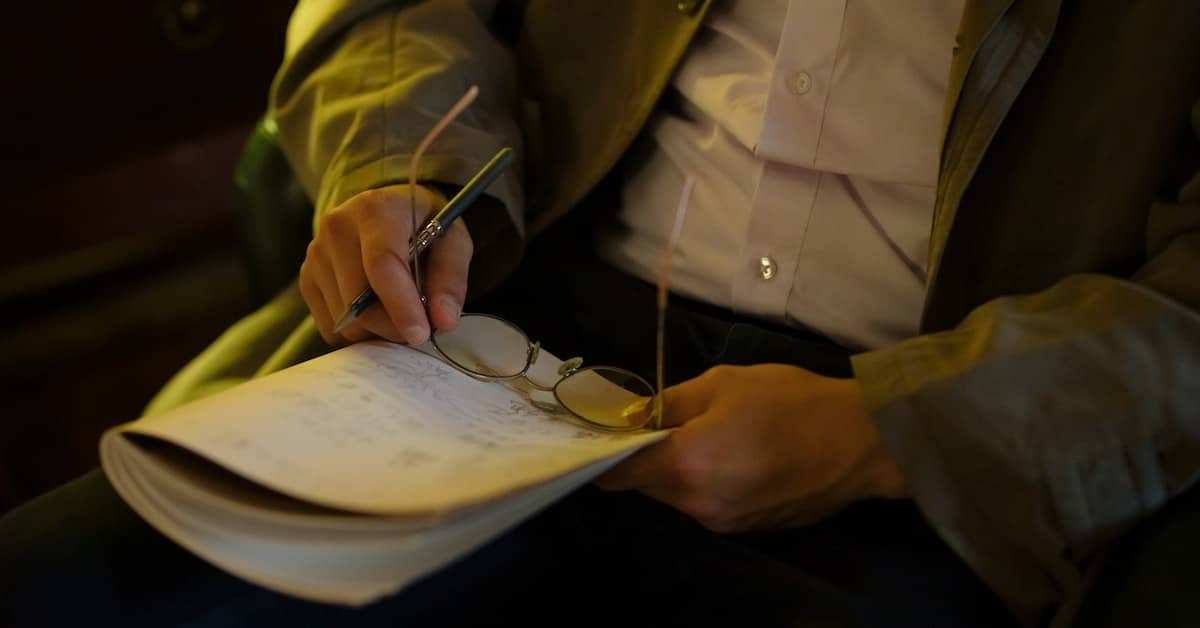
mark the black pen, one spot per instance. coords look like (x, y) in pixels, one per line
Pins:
(436, 225)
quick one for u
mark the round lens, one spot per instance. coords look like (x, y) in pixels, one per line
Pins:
(485, 345)
(609, 397)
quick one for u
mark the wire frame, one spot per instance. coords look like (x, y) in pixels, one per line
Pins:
(491, 348)
(663, 284)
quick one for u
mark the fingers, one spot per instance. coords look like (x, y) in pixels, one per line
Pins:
(319, 287)
(341, 276)
(669, 471)
(639, 471)
(666, 468)
(446, 275)
(365, 241)
(315, 299)
(384, 260)
(678, 471)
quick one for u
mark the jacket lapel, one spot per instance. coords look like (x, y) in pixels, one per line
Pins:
(1000, 44)
(593, 72)
(978, 19)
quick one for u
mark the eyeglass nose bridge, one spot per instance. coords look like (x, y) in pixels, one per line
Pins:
(569, 367)
(566, 369)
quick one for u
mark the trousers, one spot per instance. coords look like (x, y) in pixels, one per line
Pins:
(78, 556)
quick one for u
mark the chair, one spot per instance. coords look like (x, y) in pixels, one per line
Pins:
(274, 215)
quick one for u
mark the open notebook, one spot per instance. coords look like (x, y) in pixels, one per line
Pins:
(345, 478)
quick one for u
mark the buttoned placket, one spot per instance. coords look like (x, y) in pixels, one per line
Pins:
(800, 84)
(784, 196)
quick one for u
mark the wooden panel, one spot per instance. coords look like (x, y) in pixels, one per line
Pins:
(119, 255)
(89, 82)
(127, 116)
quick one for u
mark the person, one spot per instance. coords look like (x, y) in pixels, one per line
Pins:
(933, 336)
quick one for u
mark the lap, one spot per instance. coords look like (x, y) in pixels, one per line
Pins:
(79, 556)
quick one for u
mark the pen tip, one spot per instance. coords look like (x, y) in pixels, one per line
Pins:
(345, 320)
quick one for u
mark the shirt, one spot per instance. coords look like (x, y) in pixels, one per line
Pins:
(812, 129)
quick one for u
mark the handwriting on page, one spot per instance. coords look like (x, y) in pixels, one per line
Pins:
(396, 393)
(379, 427)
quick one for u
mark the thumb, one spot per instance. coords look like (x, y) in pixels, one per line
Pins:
(688, 400)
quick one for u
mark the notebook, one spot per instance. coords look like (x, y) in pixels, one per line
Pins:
(348, 477)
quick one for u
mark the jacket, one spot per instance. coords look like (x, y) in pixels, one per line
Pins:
(1052, 398)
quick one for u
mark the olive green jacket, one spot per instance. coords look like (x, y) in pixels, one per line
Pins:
(1052, 399)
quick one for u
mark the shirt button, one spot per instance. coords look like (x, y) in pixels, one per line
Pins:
(798, 83)
(767, 267)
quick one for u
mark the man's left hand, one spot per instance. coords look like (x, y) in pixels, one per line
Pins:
(760, 447)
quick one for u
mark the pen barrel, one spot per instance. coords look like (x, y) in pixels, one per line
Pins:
(425, 238)
(475, 187)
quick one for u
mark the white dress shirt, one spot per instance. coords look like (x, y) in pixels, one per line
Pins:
(813, 130)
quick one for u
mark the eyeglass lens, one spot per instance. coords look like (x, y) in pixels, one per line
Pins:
(486, 346)
(606, 396)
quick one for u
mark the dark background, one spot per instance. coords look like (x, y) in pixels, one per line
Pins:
(122, 123)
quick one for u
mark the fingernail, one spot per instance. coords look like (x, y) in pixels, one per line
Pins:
(451, 305)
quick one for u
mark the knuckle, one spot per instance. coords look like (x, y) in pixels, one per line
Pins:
(690, 469)
(371, 198)
(380, 264)
(720, 373)
(381, 203)
(333, 224)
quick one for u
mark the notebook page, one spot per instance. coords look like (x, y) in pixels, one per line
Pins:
(382, 428)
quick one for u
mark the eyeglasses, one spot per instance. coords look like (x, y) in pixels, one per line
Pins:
(491, 348)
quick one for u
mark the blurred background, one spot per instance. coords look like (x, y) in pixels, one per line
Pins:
(123, 122)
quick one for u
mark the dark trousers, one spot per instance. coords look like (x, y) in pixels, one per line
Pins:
(79, 556)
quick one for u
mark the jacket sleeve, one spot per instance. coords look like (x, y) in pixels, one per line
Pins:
(361, 83)
(1045, 425)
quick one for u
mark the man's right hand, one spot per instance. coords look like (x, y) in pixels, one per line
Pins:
(366, 240)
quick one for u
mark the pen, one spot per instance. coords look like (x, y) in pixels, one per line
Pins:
(436, 225)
